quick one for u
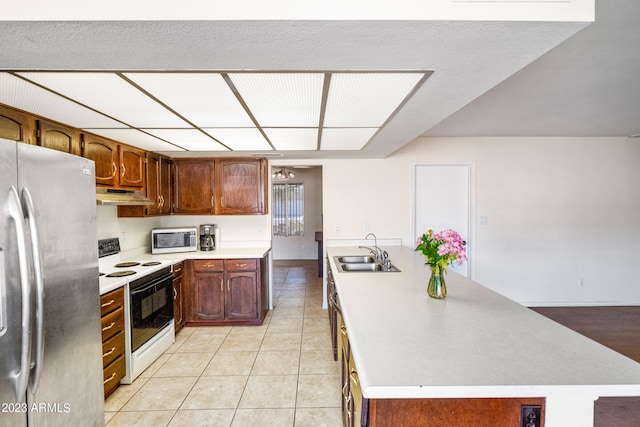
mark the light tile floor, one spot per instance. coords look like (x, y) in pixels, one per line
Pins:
(281, 373)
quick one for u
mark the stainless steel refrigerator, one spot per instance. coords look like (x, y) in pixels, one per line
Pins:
(50, 336)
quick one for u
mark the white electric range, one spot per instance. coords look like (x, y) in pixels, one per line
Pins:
(148, 286)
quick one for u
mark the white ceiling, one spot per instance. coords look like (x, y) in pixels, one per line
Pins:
(489, 79)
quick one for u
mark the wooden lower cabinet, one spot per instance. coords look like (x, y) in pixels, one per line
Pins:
(112, 311)
(224, 292)
(206, 292)
(178, 297)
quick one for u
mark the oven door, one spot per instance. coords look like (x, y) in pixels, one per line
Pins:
(151, 308)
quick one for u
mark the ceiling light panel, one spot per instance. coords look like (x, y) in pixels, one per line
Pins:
(281, 99)
(136, 138)
(29, 97)
(240, 139)
(366, 99)
(345, 138)
(293, 139)
(188, 139)
(204, 99)
(111, 95)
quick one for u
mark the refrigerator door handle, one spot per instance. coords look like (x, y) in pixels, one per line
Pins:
(16, 214)
(38, 271)
(3, 297)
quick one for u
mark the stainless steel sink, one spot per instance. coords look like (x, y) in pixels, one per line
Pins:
(356, 259)
(362, 264)
(369, 266)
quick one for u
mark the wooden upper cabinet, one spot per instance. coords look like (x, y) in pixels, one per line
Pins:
(131, 167)
(164, 185)
(104, 153)
(16, 125)
(193, 186)
(240, 187)
(58, 137)
(117, 165)
(158, 184)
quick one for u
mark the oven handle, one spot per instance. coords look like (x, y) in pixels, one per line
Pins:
(137, 291)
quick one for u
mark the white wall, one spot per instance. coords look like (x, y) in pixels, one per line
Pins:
(563, 213)
(304, 247)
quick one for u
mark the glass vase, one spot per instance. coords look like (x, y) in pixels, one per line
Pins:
(437, 287)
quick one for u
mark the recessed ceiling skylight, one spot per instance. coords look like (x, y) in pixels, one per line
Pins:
(366, 99)
(281, 99)
(217, 111)
(188, 139)
(204, 99)
(111, 95)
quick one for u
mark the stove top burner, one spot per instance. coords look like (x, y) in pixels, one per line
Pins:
(127, 264)
(121, 273)
(151, 263)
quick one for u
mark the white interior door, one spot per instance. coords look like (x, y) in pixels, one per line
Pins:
(442, 199)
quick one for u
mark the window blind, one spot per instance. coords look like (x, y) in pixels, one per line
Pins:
(288, 209)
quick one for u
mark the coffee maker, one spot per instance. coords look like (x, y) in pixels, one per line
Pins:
(207, 237)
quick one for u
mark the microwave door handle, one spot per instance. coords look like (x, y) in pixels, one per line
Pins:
(38, 270)
(17, 215)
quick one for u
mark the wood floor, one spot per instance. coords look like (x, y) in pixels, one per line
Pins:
(617, 328)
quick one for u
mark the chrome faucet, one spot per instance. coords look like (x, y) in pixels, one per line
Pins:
(376, 251)
(381, 256)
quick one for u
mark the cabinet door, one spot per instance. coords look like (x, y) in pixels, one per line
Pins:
(131, 167)
(193, 187)
(58, 137)
(178, 311)
(16, 125)
(164, 185)
(241, 298)
(105, 155)
(153, 177)
(208, 297)
(240, 187)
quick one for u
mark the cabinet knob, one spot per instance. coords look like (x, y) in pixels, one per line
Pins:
(115, 169)
(124, 170)
(106, 328)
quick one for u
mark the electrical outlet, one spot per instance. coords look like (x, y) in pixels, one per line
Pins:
(530, 416)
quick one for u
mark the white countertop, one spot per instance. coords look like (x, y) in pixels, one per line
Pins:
(109, 284)
(476, 343)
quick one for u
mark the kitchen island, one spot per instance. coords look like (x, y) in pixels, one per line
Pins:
(411, 350)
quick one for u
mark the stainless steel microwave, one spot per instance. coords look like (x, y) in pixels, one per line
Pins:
(168, 240)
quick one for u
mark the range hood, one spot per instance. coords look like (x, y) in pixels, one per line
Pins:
(114, 196)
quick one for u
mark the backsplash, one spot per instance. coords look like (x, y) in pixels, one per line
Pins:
(135, 233)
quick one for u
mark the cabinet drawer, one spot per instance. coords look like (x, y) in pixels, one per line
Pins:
(111, 301)
(177, 269)
(241, 264)
(112, 348)
(207, 265)
(113, 373)
(112, 323)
